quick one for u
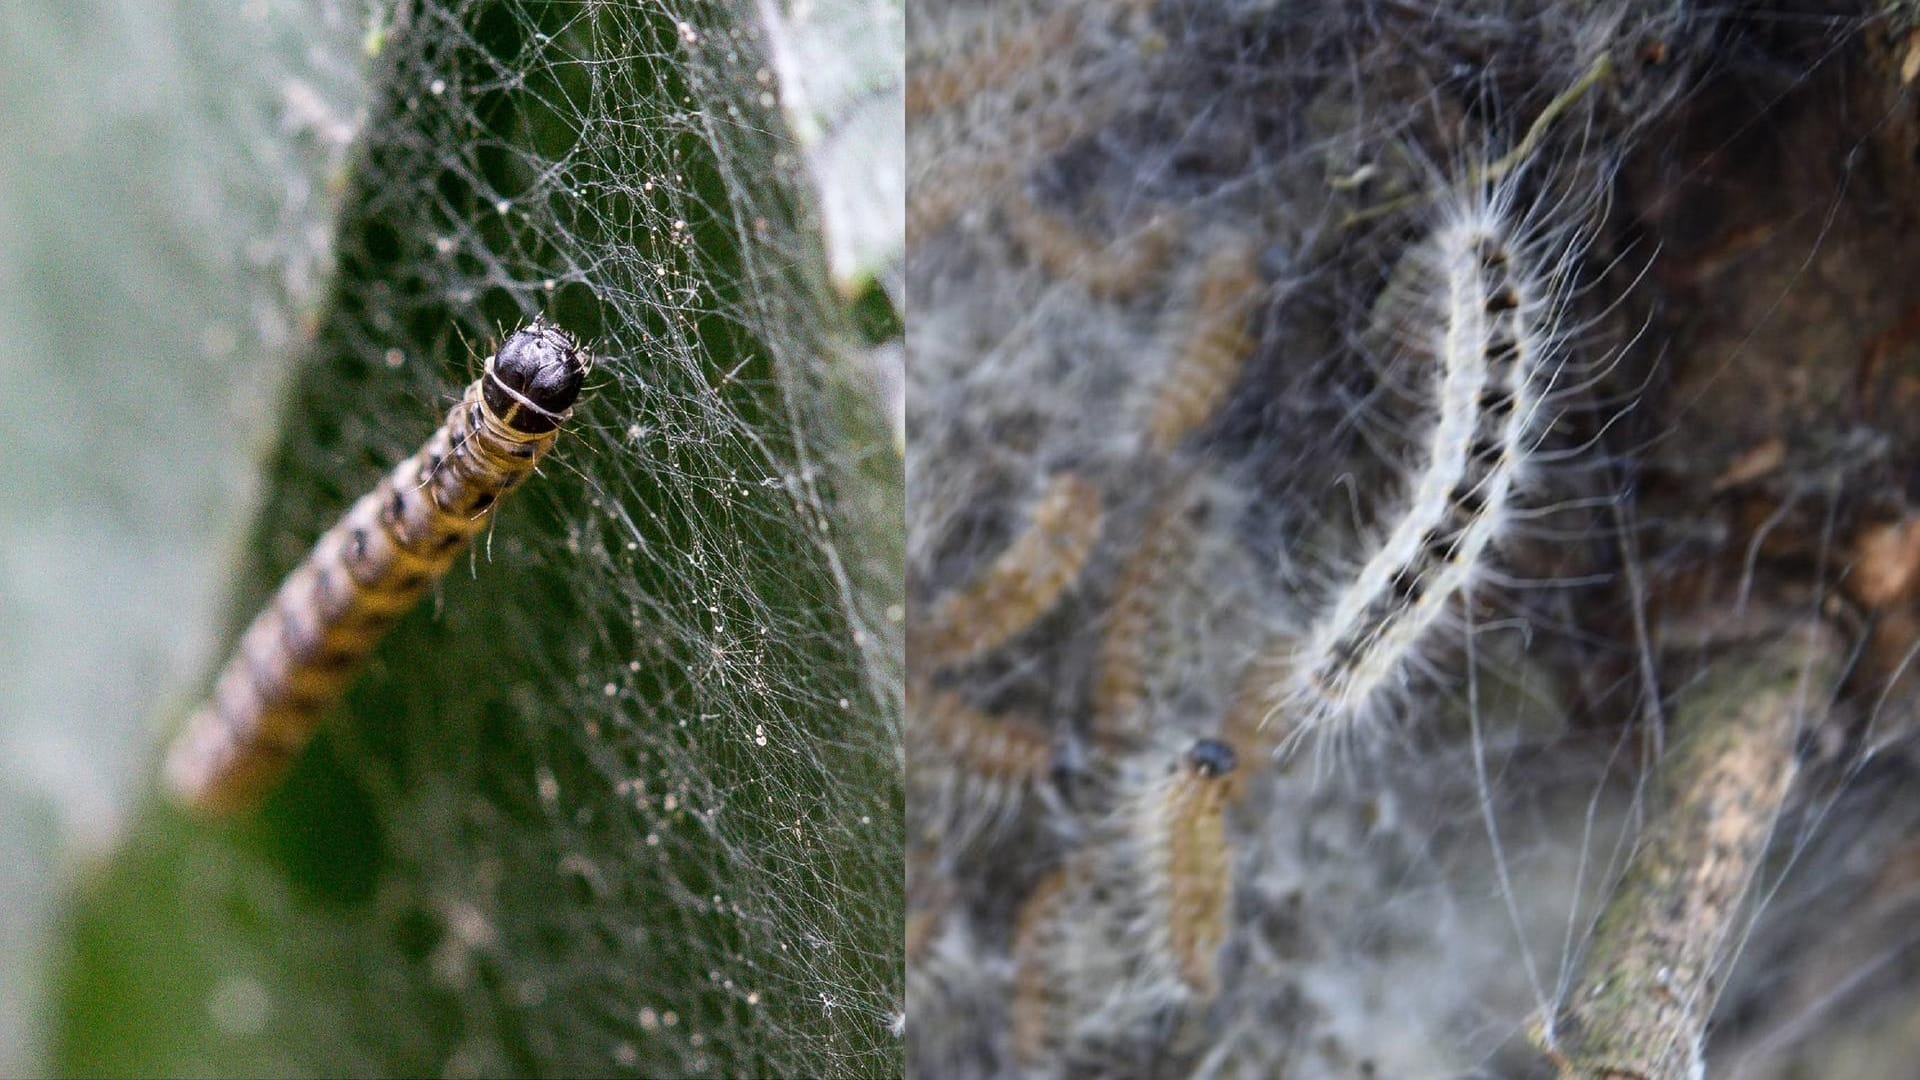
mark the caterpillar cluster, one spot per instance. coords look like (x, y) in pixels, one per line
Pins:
(302, 651)
(991, 773)
(1134, 589)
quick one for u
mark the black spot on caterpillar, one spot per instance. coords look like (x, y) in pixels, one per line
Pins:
(301, 652)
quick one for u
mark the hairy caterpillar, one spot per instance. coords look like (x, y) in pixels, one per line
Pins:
(1023, 583)
(1216, 345)
(961, 64)
(944, 193)
(964, 155)
(1119, 689)
(929, 895)
(981, 766)
(301, 652)
(1247, 723)
(1114, 267)
(1036, 990)
(1016, 52)
(1180, 829)
(1134, 924)
(1482, 321)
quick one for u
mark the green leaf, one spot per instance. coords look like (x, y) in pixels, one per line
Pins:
(625, 792)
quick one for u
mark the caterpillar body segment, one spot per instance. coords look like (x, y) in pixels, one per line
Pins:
(302, 651)
(1480, 321)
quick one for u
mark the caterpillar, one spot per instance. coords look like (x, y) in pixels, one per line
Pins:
(1217, 345)
(935, 87)
(1120, 688)
(302, 651)
(1186, 868)
(1483, 327)
(1132, 926)
(1035, 1013)
(943, 193)
(1114, 268)
(955, 65)
(1024, 583)
(1257, 697)
(929, 896)
(970, 769)
(963, 149)
(958, 180)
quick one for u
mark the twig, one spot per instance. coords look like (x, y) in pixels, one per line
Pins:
(1494, 171)
(1649, 980)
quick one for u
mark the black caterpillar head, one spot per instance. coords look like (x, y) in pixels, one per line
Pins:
(1211, 757)
(539, 365)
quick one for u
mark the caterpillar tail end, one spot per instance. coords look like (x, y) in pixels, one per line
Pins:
(210, 775)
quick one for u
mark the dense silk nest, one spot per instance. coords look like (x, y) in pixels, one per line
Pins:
(1391, 488)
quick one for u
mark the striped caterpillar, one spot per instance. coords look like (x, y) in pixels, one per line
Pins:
(1483, 323)
(965, 155)
(1246, 724)
(299, 655)
(1106, 266)
(1217, 343)
(1035, 1007)
(935, 87)
(1120, 687)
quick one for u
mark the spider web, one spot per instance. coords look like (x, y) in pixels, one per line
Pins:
(624, 793)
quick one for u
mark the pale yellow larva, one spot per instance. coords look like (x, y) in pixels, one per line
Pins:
(1107, 266)
(1037, 989)
(993, 62)
(1256, 721)
(970, 771)
(1189, 863)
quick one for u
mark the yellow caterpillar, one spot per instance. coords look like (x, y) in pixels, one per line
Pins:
(1120, 687)
(971, 770)
(1187, 864)
(300, 653)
